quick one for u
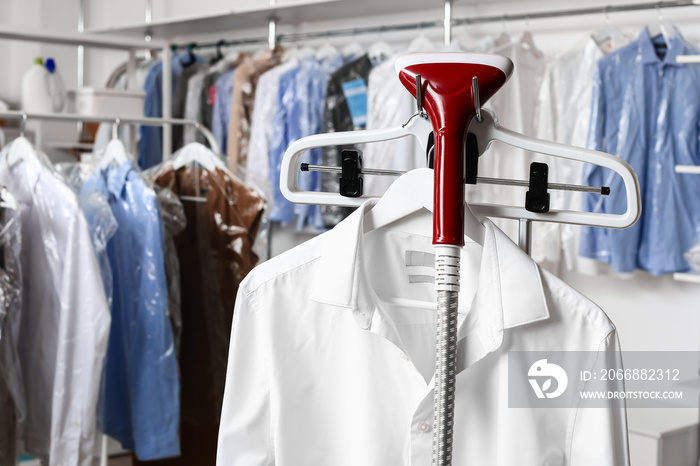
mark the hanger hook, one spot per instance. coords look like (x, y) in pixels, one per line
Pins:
(606, 15)
(23, 125)
(659, 14)
(115, 128)
(419, 94)
(477, 100)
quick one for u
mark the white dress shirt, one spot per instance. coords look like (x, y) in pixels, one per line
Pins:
(332, 357)
(514, 105)
(389, 104)
(65, 318)
(261, 129)
(563, 113)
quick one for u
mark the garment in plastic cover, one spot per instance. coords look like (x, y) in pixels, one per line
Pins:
(12, 400)
(65, 317)
(98, 214)
(174, 221)
(140, 391)
(646, 110)
(215, 253)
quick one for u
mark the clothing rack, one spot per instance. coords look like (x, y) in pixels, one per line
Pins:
(446, 23)
(17, 115)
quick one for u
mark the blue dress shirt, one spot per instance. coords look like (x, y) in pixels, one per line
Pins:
(282, 210)
(301, 100)
(646, 110)
(151, 142)
(221, 113)
(140, 388)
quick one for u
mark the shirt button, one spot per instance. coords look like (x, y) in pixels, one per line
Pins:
(424, 427)
(404, 356)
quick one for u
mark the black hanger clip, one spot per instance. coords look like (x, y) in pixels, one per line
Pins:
(537, 198)
(351, 177)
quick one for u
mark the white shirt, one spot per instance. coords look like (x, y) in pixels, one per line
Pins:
(192, 105)
(65, 318)
(332, 357)
(389, 104)
(563, 113)
(261, 129)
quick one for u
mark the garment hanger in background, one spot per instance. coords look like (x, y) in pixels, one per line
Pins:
(380, 51)
(114, 154)
(326, 51)
(421, 44)
(195, 152)
(353, 49)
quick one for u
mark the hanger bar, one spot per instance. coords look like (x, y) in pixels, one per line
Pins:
(604, 190)
(15, 115)
(302, 36)
(86, 40)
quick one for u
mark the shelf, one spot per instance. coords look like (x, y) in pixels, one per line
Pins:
(692, 169)
(252, 16)
(687, 277)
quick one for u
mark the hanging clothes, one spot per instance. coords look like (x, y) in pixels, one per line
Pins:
(317, 337)
(140, 393)
(262, 132)
(514, 104)
(346, 109)
(301, 100)
(389, 104)
(13, 406)
(646, 110)
(563, 113)
(65, 317)
(180, 101)
(243, 100)
(215, 253)
(151, 143)
(221, 112)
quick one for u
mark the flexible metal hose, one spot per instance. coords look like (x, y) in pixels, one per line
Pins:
(447, 285)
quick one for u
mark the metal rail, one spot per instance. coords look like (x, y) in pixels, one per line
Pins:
(292, 37)
(15, 115)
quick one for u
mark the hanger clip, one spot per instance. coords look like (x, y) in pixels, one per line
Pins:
(351, 177)
(537, 198)
(471, 163)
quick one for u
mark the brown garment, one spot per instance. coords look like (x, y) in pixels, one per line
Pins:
(215, 254)
(245, 80)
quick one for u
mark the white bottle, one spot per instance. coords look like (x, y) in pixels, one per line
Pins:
(36, 97)
(57, 89)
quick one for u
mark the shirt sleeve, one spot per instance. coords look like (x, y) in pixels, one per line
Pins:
(154, 384)
(245, 433)
(83, 332)
(604, 427)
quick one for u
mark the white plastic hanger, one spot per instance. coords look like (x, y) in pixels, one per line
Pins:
(20, 149)
(195, 152)
(353, 49)
(485, 131)
(380, 51)
(421, 44)
(114, 154)
(660, 27)
(326, 51)
(410, 194)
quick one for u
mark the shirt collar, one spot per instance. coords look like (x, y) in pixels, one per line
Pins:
(116, 177)
(509, 293)
(648, 53)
